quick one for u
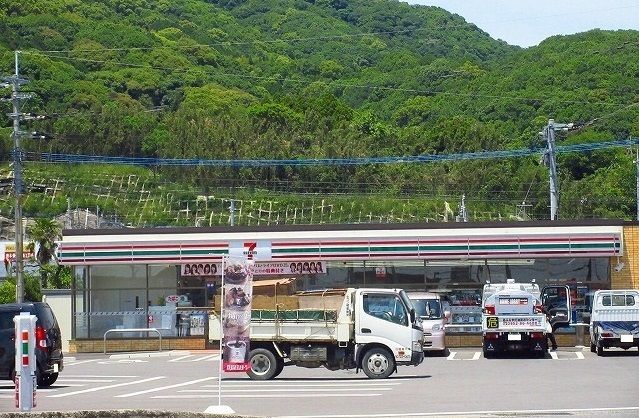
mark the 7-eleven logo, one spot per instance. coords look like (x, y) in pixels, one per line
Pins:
(249, 249)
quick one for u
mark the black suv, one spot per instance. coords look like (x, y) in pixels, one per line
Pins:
(48, 341)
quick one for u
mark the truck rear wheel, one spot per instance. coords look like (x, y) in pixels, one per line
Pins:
(378, 363)
(263, 364)
(600, 349)
(280, 366)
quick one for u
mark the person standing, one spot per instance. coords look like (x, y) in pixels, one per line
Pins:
(549, 333)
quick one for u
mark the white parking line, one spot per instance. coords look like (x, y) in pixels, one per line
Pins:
(554, 355)
(256, 395)
(191, 382)
(211, 357)
(75, 363)
(286, 385)
(580, 355)
(181, 358)
(98, 376)
(313, 389)
(85, 380)
(452, 355)
(78, 392)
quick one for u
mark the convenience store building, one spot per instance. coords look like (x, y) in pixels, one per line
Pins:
(167, 278)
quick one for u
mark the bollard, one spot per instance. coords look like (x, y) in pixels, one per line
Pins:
(25, 361)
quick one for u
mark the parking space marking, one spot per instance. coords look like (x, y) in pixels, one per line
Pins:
(211, 357)
(227, 390)
(181, 358)
(271, 395)
(79, 392)
(578, 355)
(85, 380)
(452, 355)
(99, 376)
(75, 363)
(190, 382)
(287, 385)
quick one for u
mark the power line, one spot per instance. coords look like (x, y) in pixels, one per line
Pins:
(426, 158)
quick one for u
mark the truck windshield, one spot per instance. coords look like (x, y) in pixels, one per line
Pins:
(428, 308)
(408, 303)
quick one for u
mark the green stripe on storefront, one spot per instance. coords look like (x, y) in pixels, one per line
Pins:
(406, 248)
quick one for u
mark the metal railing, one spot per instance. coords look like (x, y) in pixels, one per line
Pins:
(132, 330)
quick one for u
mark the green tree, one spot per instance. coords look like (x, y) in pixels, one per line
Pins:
(45, 232)
(32, 292)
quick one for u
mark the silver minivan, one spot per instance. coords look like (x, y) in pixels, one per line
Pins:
(429, 308)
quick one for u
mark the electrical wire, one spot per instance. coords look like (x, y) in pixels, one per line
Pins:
(425, 158)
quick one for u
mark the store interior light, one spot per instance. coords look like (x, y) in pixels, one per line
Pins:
(496, 262)
(421, 263)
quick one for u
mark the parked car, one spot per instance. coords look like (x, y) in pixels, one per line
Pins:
(49, 357)
(428, 307)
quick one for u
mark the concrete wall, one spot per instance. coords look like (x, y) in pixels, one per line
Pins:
(60, 302)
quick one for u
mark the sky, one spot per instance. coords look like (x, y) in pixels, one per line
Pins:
(528, 22)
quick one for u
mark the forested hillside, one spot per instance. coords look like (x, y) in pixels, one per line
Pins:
(295, 79)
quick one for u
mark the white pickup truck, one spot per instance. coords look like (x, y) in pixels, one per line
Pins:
(512, 317)
(370, 329)
(614, 321)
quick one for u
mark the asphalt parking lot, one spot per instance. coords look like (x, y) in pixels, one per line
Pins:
(567, 382)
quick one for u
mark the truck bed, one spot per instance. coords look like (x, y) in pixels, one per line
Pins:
(297, 325)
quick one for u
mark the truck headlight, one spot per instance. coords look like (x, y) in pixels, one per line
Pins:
(417, 346)
(437, 327)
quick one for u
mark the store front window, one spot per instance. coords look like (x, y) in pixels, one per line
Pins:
(176, 300)
(141, 296)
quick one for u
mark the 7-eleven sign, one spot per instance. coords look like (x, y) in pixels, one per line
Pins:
(259, 250)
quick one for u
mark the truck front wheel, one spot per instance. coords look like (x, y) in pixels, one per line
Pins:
(264, 364)
(378, 363)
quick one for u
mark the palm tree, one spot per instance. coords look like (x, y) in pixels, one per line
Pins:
(44, 232)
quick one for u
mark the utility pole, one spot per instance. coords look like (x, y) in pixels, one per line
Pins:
(637, 174)
(551, 161)
(15, 82)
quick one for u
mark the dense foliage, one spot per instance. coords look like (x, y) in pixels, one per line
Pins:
(244, 79)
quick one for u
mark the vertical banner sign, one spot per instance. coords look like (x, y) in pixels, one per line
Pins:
(236, 313)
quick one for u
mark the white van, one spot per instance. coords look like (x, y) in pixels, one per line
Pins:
(428, 307)
(614, 321)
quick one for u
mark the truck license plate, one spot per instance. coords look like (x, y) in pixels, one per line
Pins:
(626, 338)
(514, 337)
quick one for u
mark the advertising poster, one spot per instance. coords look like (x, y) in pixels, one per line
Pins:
(260, 269)
(236, 314)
